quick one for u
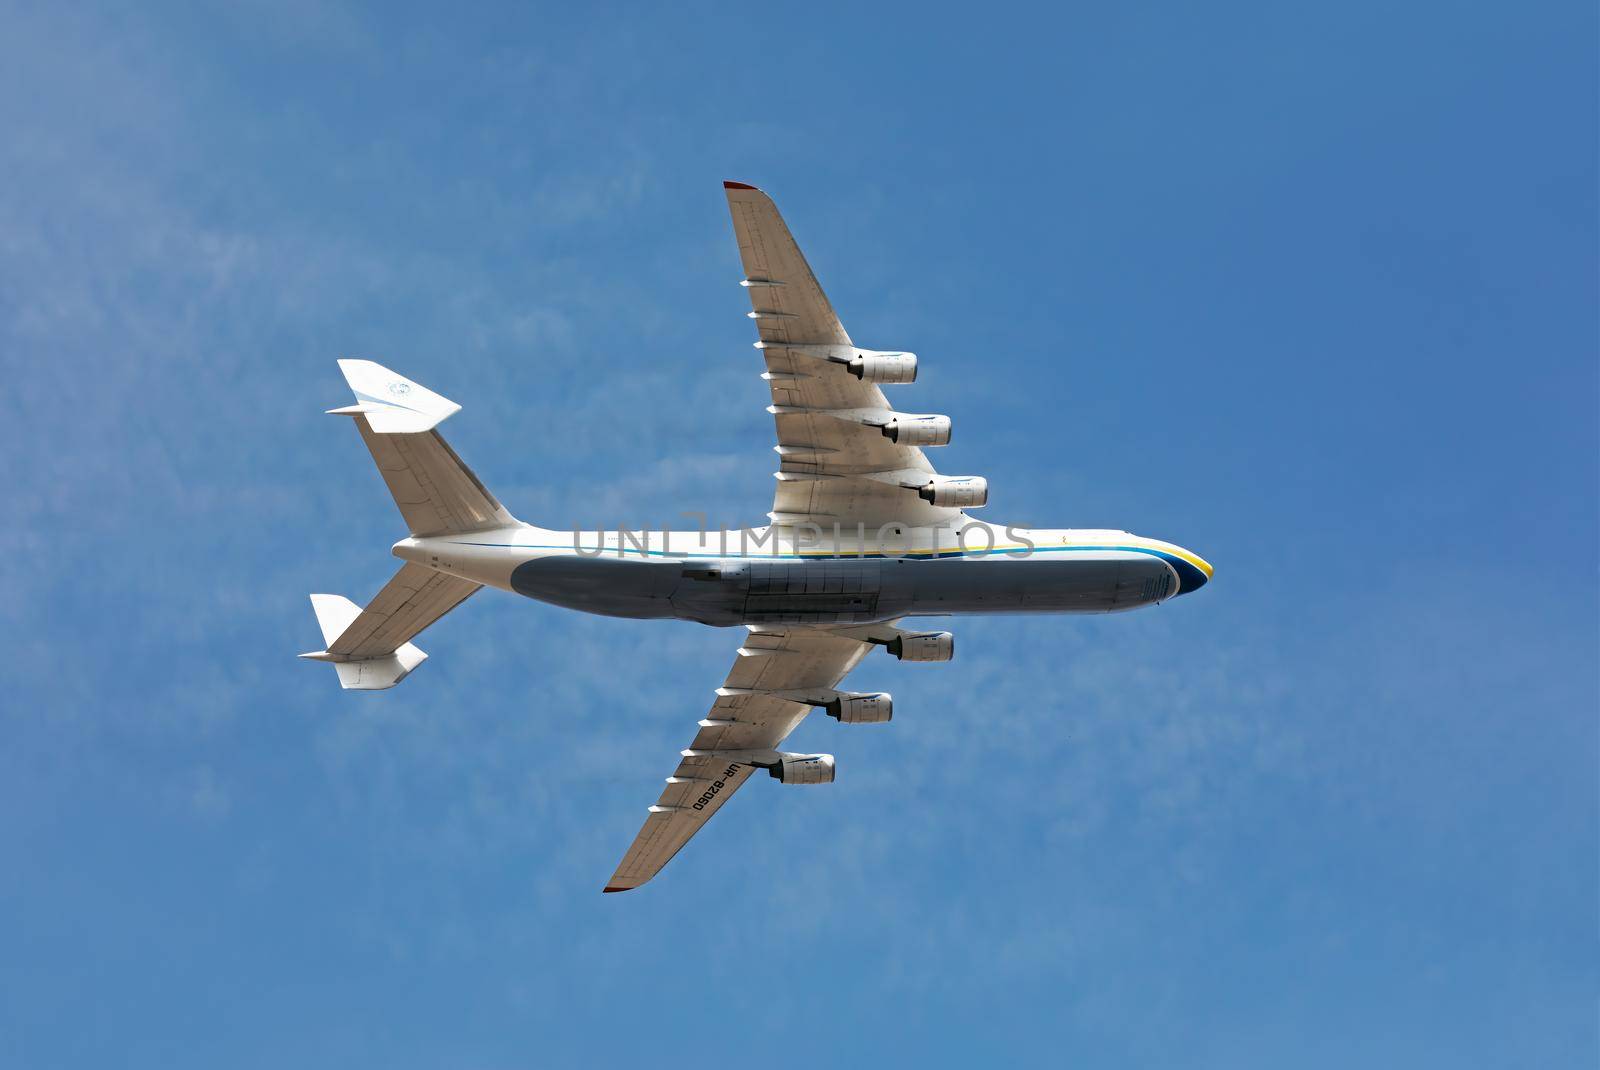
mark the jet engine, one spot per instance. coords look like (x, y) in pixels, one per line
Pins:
(803, 769)
(873, 367)
(934, 646)
(918, 430)
(873, 708)
(961, 492)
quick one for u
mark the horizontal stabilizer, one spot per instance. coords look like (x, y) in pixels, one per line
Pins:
(392, 403)
(334, 613)
(371, 648)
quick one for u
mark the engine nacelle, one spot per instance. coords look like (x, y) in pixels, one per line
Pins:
(803, 769)
(934, 646)
(918, 430)
(873, 708)
(874, 367)
(960, 492)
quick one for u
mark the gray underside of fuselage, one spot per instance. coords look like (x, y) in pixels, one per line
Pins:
(841, 590)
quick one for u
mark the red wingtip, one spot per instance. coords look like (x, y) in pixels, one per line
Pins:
(737, 185)
(618, 888)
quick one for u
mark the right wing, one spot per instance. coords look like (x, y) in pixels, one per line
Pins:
(837, 466)
(719, 761)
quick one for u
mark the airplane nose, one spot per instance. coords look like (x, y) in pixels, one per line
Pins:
(1193, 570)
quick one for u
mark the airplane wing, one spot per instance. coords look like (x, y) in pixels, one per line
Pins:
(846, 458)
(837, 464)
(740, 735)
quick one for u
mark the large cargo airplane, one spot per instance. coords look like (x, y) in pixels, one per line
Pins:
(863, 533)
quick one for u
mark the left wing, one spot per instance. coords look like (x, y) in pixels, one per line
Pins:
(740, 735)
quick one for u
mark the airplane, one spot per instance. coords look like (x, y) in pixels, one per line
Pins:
(863, 533)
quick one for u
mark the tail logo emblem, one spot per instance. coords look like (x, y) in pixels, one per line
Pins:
(399, 389)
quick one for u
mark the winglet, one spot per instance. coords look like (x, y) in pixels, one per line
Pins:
(392, 403)
(619, 888)
(737, 185)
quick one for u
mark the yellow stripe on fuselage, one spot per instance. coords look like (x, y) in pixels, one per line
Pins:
(1134, 542)
(1176, 551)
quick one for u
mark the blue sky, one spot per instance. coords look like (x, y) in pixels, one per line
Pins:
(1308, 288)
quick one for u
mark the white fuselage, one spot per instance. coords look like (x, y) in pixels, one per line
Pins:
(805, 576)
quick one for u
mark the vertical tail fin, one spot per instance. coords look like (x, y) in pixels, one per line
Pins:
(335, 613)
(371, 648)
(435, 491)
(393, 404)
